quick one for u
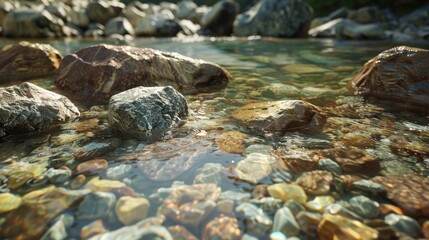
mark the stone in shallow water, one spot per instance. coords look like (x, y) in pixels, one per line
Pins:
(92, 229)
(308, 222)
(190, 204)
(209, 173)
(119, 172)
(404, 224)
(96, 205)
(256, 221)
(19, 173)
(286, 192)
(294, 206)
(304, 68)
(285, 222)
(9, 202)
(369, 186)
(268, 204)
(338, 209)
(258, 148)
(137, 232)
(103, 185)
(56, 176)
(296, 160)
(319, 203)
(146, 112)
(354, 160)
(255, 167)
(27, 108)
(222, 227)
(92, 167)
(96, 148)
(315, 182)
(338, 227)
(58, 229)
(410, 192)
(39, 207)
(365, 207)
(281, 116)
(131, 210)
(181, 233)
(125, 67)
(329, 165)
(28, 60)
(231, 142)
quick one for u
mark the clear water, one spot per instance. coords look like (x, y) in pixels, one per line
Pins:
(318, 71)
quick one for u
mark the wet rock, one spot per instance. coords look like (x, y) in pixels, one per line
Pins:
(237, 197)
(255, 167)
(162, 24)
(308, 222)
(425, 229)
(294, 206)
(222, 227)
(28, 61)
(9, 202)
(162, 193)
(269, 205)
(103, 185)
(354, 160)
(338, 209)
(182, 154)
(39, 208)
(190, 205)
(27, 108)
(404, 224)
(131, 210)
(78, 182)
(315, 182)
(287, 192)
(119, 172)
(369, 186)
(344, 28)
(95, 148)
(101, 11)
(96, 205)
(398, 74)
(137, 232)
(92, 229)
(297, 160)
(119, 25)
(256, 221)
(210, 173)
(56, 176)
(146, 112)
(319, 203)
(337, 227)
(329, 165)
(25, 22)
(181, 233)
(219, 20)
(274, 18)
(232, 142)
(410, 192)
(365, 207)
(126, 67)
(58, 229)
(19, 173)
(285, 222)
(281, 116)
(92, 167)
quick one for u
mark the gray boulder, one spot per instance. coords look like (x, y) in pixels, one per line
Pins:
(348, 29)
(162, 24)
(185, 9)
(119, 25)
(24, 22)
(146, 112)
(28, 108)
(274, 18)
(101, 11)
(219, 20)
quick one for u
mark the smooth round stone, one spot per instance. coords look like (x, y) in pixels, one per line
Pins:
(56, 176)
(319, 203)
(277, 236)
(225, 206)
(255, 167)
(257, 222)
(316, 182)
(78, 181)
(232, 142)
(365, 207)
(258, 148)
(9, 202)
(369, 186)
(96, 205)
(92, 229)
(209, 173)
(404, 224)
(222, 227)
(103, 185)
(92, 166)
(285, 223)
(286, 192)
(329, 165)
(119, 172)
(131, 210)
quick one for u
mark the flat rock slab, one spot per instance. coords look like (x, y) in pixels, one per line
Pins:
(28, 61)
(28, 108)
(281, 116)
(399, 74)
(104, 70)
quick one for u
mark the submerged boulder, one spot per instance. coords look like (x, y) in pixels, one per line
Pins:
(104, 70)
(281, 116)
(146, 112)
(274, 18)
(28, 60)
(24, 22)
(399, 74)
(28, 108)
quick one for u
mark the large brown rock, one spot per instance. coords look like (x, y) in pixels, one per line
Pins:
(28, 60)
(341, 228)
(281, 116)
(400, 73)
(410, 192)
(104, 70)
